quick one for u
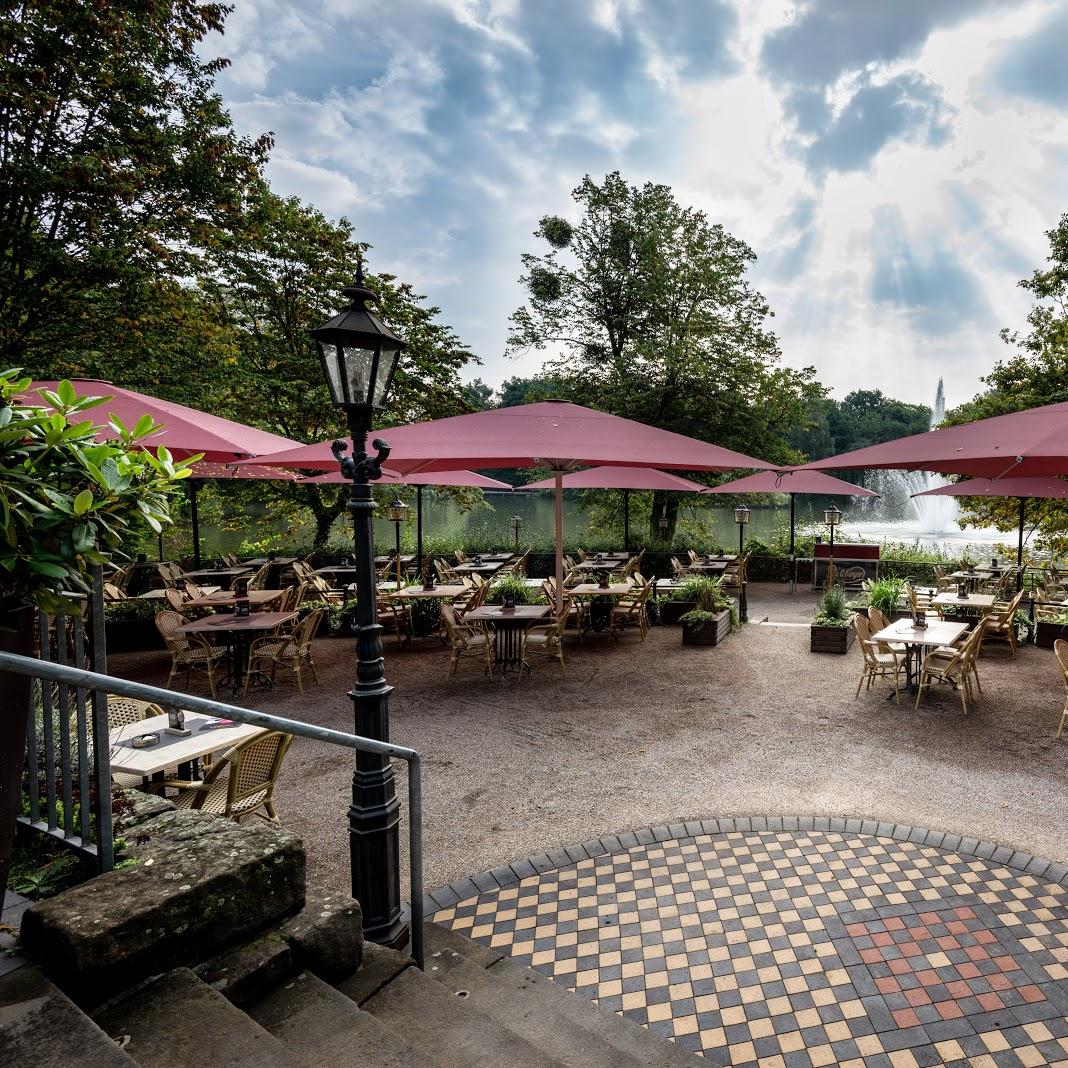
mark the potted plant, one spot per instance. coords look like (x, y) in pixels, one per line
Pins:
(713, 616)
(885, 594)
(511, 588)
(832, 626)
(69, 501)
(128, 625)
(1049, 626)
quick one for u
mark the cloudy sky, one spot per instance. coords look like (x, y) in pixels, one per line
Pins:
(894, 165)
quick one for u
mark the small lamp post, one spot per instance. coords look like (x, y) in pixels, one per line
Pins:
(397, 515)
(360, 354)
(663, 523)
(832, 517)
(741, 517)
(516, 522)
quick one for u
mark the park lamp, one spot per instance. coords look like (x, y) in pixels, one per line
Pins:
(832, 517)
(741, 515)
(398, 511)
(358, 351)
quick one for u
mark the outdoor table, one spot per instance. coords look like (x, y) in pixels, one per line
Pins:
(478, 569)
(600, 611)
(239, 631)
(343, 574)
(282, 561)
(390, 558)
(973, 578)
(417, 593)
(161, 594)
(171, 751)
(227, 599)
(983, 602)
(493, 558)
(224, 575)
(508, 625)
(710, 567)
(902, 632)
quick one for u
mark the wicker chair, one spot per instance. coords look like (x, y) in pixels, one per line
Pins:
(259, 580)
(1060, 651)
(113, 592)
(880, 660)
(446, 574)
(395, 615)
(187, 651)
(678, 570)
(292, 651)
(123, 712)
(629, 610)
(1001, 623)
(546, 640)
(252, 768)
(954, 665)
(466, 641)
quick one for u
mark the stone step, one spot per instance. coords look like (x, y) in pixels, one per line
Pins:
(569, 1027)
(178, 1021)
(40, 1027)
(447, 1028)
(327, 1030)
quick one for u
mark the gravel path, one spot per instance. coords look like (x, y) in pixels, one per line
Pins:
(654, 732)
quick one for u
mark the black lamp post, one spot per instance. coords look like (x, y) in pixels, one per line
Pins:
(517, 522)
(360, 354)
(832, 517)
(397, 515)
(741, 517)
(663, 523)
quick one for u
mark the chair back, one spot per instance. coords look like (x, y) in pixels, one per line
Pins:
(253, 767)
(306, 628)
(1060, 651)
(175, 598)
(453, 627)
(169, 625)
(582, 555)
(123, 711)
(113, 592)
(877, 618)
(259, 580)
(1005, 616)
(862, 626)
(461, 556)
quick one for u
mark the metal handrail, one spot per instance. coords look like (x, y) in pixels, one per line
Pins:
(91, 680)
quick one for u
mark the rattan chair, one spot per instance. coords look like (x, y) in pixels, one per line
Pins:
(466, 641)
(113, 592)
(187, 651)
(880, 660)
(123, 712)
(259, 580)
(251, 769)
(953, 665)
(1001, 623)
(1060, 651)
(629, 611)
(546, 640)
(292, 651)
(396, 615)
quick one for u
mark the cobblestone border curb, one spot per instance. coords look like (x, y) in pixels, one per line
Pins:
(506, 875)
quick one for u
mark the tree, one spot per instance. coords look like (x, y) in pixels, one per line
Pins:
(1036, 374)
(518, 390)
(864, 417)
(279, 274)
(478, 395)
(651, 315)
(118, 163)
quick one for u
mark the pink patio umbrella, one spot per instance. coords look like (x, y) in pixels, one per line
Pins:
(793, 480)
(625, 479)
(439, 478)
(1032, 442)
(553, 434)
(1021, 488)
(184, 431)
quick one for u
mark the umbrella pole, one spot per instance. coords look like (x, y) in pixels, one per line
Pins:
(1019, 547)
(195, 519)
(559, 476)
(161, 546)
(419, 530)
(626, 521)
(793, 560)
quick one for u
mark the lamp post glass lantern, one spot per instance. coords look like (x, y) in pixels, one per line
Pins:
(359, 355)
(517, 522)
(397, 515)
(833, 518)
(741, 517)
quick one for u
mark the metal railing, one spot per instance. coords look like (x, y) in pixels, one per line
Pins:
(66, 676)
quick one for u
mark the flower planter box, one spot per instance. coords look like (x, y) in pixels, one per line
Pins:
(131, 635)
(831, 639)
(710, 633)
(1046, 633)
(671, 610)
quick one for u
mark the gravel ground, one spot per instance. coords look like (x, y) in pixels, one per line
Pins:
(654, 732)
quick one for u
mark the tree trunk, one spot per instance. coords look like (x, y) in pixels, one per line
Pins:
(664, 503)
(15, 693)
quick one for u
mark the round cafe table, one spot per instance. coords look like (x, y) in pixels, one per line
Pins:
(508, 625)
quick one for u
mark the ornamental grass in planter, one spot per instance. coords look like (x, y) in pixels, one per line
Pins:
(1049, 627)
(713, 617)
(832, 625)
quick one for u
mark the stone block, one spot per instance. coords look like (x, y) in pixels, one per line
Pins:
(246, 974)
(326, 936)
(201, 885)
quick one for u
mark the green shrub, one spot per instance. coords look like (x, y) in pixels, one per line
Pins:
(886, 595)
(515, 585)
(833, 610)
(133, 608)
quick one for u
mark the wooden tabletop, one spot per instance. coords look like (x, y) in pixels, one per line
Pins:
(226, 624)
(213, 572)
(937, 632)
(227, 598)
(592, 589)
(405, 558)
(171, 751)
(978, 573)
(477, 569)
(417, 593)
(714, 565)
(283, 561)
(495, 613)
(973, 600)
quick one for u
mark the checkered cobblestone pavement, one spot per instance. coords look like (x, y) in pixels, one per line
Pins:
(791, 949)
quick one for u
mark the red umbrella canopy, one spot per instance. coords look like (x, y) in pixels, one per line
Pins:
(621, 478)
(437, 478)
(1034, 442)
(793, 480)
(1001, 487)
(207, 469)
(186, 431)
(552, 434)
